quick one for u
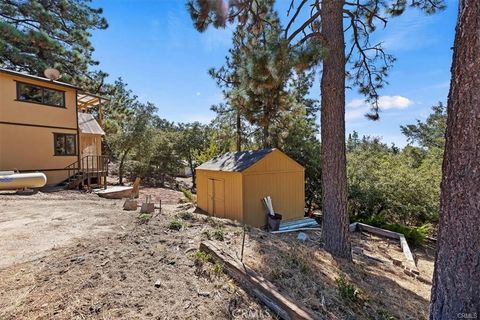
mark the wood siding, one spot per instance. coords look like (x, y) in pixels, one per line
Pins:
(26, 129)
(90, 145)
(286, 190)
(232, 193)
(276, 175)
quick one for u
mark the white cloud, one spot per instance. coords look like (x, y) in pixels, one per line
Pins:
(355, 114)
(394, 102)
(356, 103)
(198, 93)
(357, 108)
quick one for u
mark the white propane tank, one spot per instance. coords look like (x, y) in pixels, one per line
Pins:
(13, 181)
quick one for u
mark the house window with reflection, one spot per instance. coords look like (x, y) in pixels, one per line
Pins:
(36, 94)
(65, 144)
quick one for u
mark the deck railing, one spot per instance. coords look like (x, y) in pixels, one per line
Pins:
(90, 166)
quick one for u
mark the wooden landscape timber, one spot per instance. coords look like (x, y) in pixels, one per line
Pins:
(389, 234)
(257, 286)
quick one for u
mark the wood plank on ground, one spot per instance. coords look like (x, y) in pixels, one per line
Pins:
(257, 286)
(389, 234)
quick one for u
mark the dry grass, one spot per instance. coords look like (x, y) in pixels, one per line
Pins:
(114, 275)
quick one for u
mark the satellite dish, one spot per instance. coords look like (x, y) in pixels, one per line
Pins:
(52, 74)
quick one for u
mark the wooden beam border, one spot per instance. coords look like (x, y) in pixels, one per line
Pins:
(257, 286)
(389, 234)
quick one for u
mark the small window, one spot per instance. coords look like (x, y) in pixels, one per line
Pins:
(65, 144)
(36, 94)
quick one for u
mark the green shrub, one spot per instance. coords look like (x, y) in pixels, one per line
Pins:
(185, 215)
(201, 258)
(189, 195)
(176, 225)
(385, 315)
(216, 269)
(144, 218)
(415, 236)
(346, 289)
(217, 234)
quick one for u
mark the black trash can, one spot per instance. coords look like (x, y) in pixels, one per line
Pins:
(273, 223)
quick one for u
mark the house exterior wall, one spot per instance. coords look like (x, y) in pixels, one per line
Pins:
(27, 130)
(232, 182)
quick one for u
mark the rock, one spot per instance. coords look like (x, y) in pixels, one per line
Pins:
(130, 205)
(158, 283)
(424, 280)
(302, 236)
(203, 293)
(408, 272)
(397, 262)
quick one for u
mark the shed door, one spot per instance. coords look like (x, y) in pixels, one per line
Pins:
(216, 197)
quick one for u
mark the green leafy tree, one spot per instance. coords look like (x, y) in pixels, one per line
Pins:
(131, 133)
(35, 35)
(158, 158)
(393, 187)
(193, 138)
(431, 133)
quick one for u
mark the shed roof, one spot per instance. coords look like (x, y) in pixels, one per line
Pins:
(235, 161)
(88, 124)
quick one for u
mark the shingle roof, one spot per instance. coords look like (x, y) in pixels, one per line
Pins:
(88, 124)
(235, 161)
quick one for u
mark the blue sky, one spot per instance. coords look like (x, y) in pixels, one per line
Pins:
(153, 46)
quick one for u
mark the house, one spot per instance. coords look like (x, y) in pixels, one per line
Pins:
(45, 126)
(233, 185)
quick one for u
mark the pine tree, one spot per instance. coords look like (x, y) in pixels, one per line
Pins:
(431, 133)
(456, 277)
(368, 66)
(35, 35)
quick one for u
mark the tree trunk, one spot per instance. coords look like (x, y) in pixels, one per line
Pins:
(120, 167)
(192, 169)
(334, 172)
(456, 278)
(239, 132)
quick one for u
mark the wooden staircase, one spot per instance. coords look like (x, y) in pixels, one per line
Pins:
(90, 171)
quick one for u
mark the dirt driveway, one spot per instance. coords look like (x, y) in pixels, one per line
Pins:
(32, 225)
(71, 255)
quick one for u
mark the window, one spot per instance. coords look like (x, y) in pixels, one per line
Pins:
(36, 94)
(65, 144)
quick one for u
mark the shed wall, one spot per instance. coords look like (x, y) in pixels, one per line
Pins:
(287, 190)
(232, 182)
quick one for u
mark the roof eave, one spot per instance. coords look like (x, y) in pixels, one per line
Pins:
(37, 78)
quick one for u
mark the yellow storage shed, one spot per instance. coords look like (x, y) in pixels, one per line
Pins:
(233, 185)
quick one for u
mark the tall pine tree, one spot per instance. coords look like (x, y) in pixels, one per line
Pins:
(37, 34)
(456, 278)
(323, 23)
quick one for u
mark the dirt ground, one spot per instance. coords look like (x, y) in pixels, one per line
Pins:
(72, 255)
